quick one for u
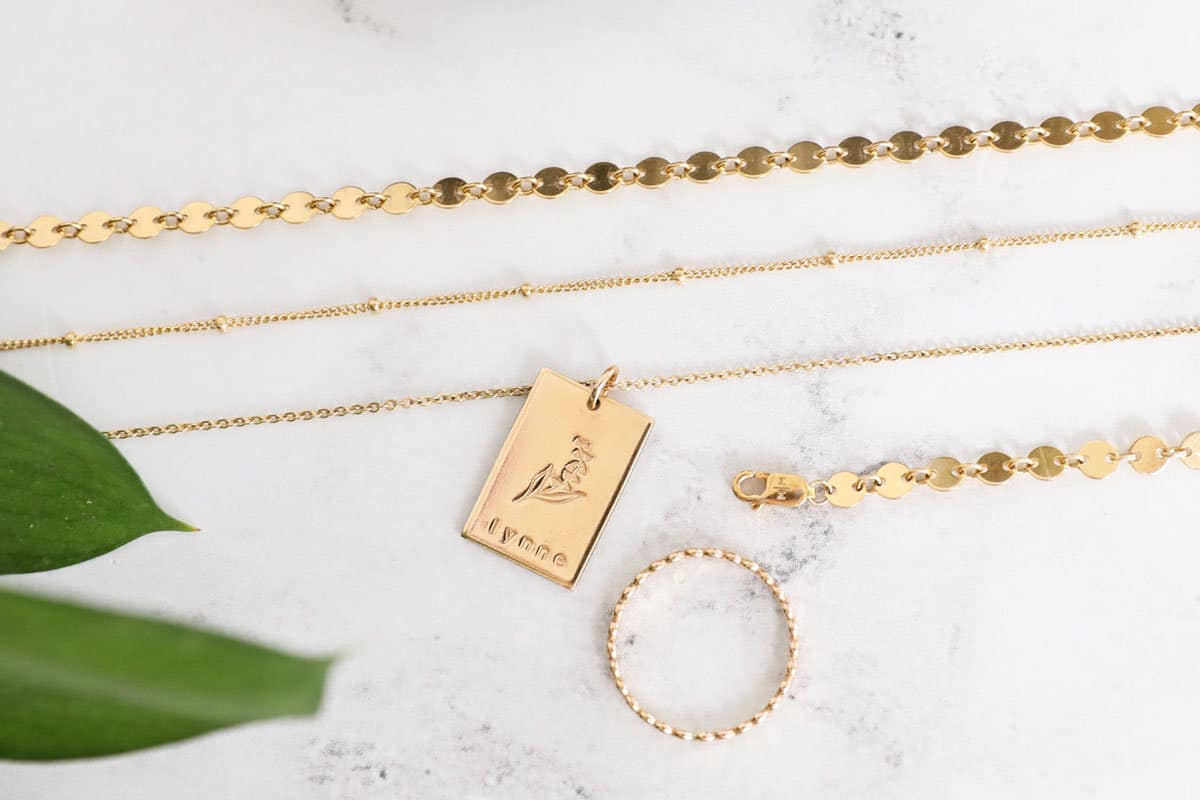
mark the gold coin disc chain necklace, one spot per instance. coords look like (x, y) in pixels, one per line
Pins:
(828, 260)
(1096, 459)
(351, 202)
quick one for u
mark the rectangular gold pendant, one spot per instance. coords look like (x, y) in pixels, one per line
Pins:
(557, 478)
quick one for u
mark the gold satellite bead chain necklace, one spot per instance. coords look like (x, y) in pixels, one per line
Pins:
(828, 260)
(351, 202)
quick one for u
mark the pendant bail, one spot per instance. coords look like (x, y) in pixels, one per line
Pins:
(602, 385)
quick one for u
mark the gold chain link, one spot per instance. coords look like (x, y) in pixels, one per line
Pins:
(1096, 459)
(374, 305)
(671, 380)
(351, 202)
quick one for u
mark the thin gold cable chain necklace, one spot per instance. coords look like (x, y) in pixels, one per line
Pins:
(829, 260)
(547, 518)
(633, 384)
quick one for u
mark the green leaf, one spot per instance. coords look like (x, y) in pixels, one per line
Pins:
(66, 494)
(78, 682)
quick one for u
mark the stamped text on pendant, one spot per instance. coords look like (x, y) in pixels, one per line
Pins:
(511, 537)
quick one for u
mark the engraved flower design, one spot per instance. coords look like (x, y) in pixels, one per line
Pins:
(560, 487)
(545, 485)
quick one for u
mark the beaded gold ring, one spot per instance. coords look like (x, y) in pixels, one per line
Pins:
(784, 606)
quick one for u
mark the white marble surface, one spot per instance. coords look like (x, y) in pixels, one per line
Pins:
(1030, 641)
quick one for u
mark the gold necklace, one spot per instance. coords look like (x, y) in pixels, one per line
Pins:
(828, 260)
(633, 384)
(1097, 459)
(351, 202)
(566, 459)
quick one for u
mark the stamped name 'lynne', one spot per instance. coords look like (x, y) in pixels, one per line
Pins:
(511, 537)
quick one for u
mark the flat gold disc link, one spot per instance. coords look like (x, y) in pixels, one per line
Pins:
(401, 198)
(298, 208)
(704, 166)
(147, 222)
(995, 468)
(1060, 131)
(448, 193)
(1099, 459)
(1049, 462)
(196, 217)
(1149, 451)
(845, 490)
(905, 147)
(347, 203)
(857, 152)
(603, 177)
(805, 156)
(756, 162)
(550, 182)
(652, 172)
(1110, 126)
(94, 230)
(945, 473)
(959, 141)
(896, 480)
(502, 187)
(44, 232)
(1191, 443)
(247, 213)
(1008, 136)
(1160, 121)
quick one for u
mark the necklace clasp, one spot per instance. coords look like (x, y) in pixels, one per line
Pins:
(778, 488)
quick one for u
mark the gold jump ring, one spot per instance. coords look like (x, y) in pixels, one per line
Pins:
(601, 386)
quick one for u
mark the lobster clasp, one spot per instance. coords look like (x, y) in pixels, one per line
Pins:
(778, 488)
